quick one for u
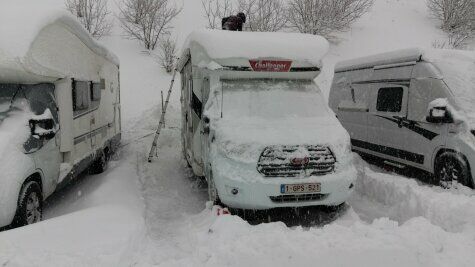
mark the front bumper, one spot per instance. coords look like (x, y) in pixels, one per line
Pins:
(264, 193)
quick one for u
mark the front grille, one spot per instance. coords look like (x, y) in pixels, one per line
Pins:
(298, 198)
(279, 161)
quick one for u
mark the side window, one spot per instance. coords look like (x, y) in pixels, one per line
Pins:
(95, 94)
(196, 105)
(95, 91)
(80, 96)
(390, 99)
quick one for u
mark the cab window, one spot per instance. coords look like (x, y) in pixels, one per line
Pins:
(390, 99)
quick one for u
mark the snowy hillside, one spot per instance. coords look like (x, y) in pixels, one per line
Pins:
(155, 214)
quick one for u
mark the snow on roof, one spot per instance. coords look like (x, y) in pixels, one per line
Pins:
(393, 57)
(22, 20)
(211, 45)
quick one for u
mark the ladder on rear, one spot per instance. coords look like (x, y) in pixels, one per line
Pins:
(153, 149)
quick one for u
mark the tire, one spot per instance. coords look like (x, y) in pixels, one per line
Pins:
(100, 164)
(30, 205)
(451, 168)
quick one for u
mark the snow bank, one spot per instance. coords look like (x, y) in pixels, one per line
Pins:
(404, 198)
(218, 44)
(22, 20)
(210, 240)
(100, 236)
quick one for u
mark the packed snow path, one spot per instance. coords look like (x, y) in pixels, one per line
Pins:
(391, 219)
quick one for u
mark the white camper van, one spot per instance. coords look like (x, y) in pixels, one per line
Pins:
(413, 108)
(256, 125)
(59, 110)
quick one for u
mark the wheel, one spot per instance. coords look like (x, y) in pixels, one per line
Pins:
(450, 168)
(100, 164)
(30, 205)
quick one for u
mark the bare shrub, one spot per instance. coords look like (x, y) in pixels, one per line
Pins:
(457, 19)
(215, 10)
(167, 53)
(264, 15)
(325, 17)
(147, 20)
(93, 15)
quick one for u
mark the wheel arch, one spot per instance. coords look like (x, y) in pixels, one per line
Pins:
(35, 177)
(459, 155)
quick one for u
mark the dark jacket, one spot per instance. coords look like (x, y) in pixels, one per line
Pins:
(232, 23)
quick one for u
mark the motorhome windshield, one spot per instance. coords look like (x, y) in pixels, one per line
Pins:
(458, 71)
(272, 99)
(39, 97)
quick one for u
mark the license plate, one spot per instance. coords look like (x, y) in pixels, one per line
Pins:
(299, 188)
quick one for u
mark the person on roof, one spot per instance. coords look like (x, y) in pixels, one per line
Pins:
(234, 23)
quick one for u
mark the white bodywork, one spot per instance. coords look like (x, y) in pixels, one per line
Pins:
(251, 110)
(51, 50)
(421, 80)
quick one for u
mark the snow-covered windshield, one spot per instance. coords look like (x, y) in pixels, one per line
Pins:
(272, 99)
(458, 70)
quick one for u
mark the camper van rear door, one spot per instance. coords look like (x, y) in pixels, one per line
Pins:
(271, 65)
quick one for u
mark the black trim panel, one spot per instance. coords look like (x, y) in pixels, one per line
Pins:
(390, 151)
(411, 125)
(405, 82)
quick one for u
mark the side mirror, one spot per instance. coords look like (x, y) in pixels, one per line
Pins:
(439, 115)
(206, 122)
(42, 128)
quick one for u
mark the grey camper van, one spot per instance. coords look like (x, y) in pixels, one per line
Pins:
(411, 107)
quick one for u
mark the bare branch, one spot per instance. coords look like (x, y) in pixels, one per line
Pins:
(264, 15)
(215, 10)
(457, 19)
(147, 20)
(167, 53)
(325, 17)
(93, 15)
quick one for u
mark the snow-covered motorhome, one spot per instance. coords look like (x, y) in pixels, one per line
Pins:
(411, 107)
(59, 107)
(255, 124)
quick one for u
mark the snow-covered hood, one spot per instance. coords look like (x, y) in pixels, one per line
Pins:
(244, 141)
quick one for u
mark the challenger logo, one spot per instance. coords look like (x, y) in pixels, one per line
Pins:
(270, 65)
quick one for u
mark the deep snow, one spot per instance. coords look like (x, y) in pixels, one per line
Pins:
(155, 214)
